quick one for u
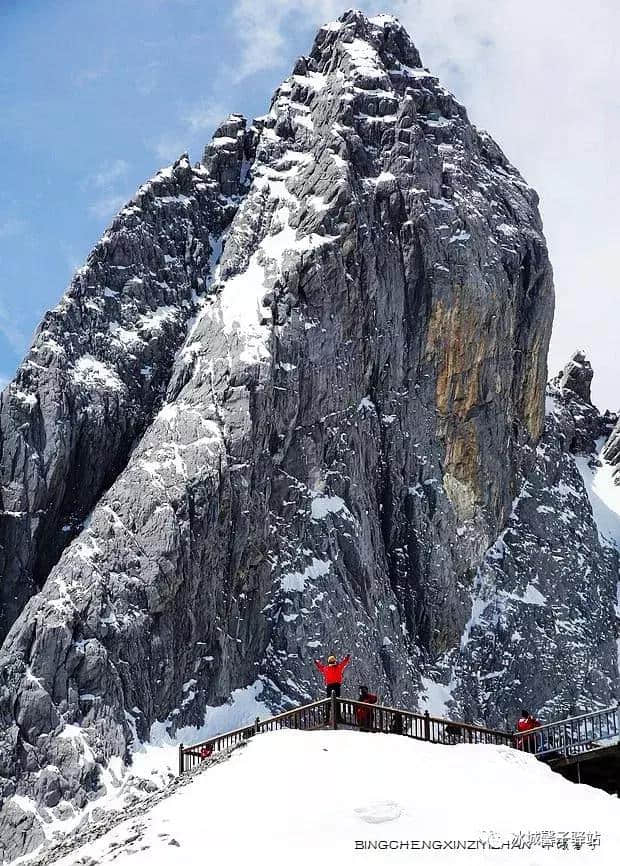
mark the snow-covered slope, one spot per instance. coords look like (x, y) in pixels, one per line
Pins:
(294, 797)
(604, 495)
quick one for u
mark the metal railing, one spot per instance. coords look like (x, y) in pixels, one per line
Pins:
(305, 717)
(339, 712)
(571, 736)
(567, 737)
(391, 720)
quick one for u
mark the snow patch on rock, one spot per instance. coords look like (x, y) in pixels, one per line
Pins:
(297, 581)
(604, 495)
(92, 373)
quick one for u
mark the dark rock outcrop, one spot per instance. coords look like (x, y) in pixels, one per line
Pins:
(611, 451)
(577, 377)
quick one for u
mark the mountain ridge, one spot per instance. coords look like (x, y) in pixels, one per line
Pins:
(346, 450)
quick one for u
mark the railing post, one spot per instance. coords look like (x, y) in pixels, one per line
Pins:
(257, 725)
(334, 706)
(181, 756)
(427, 725)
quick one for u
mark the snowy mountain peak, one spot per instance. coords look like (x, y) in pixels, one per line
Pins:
(294, 404)
(367, 47)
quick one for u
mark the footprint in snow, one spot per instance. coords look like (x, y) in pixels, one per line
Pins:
(379, 813)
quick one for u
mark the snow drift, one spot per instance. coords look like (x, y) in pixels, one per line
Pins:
(291, 796)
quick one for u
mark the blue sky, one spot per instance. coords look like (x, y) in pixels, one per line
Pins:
(96, 95)
(94, 98)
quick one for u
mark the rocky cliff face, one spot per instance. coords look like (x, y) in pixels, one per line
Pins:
(99, 367)
(348, 455)
(611, 452)
(544, 617)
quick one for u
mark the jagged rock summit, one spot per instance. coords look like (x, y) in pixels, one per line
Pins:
(290, 406)
(577, 376)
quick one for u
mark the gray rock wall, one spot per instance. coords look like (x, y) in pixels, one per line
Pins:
(98, 369)
(543, 631)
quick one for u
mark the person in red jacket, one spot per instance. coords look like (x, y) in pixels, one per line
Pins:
(332, 674)
(364, 715)
(527, 722)
(206, 751)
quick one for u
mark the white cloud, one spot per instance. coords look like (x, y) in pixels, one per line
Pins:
(205, 116)
(543, 78)
(147, 77)
(110, 173)
(194, 126)
(168, 148)
(106, 207)
(111, 185)
(262, 25)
